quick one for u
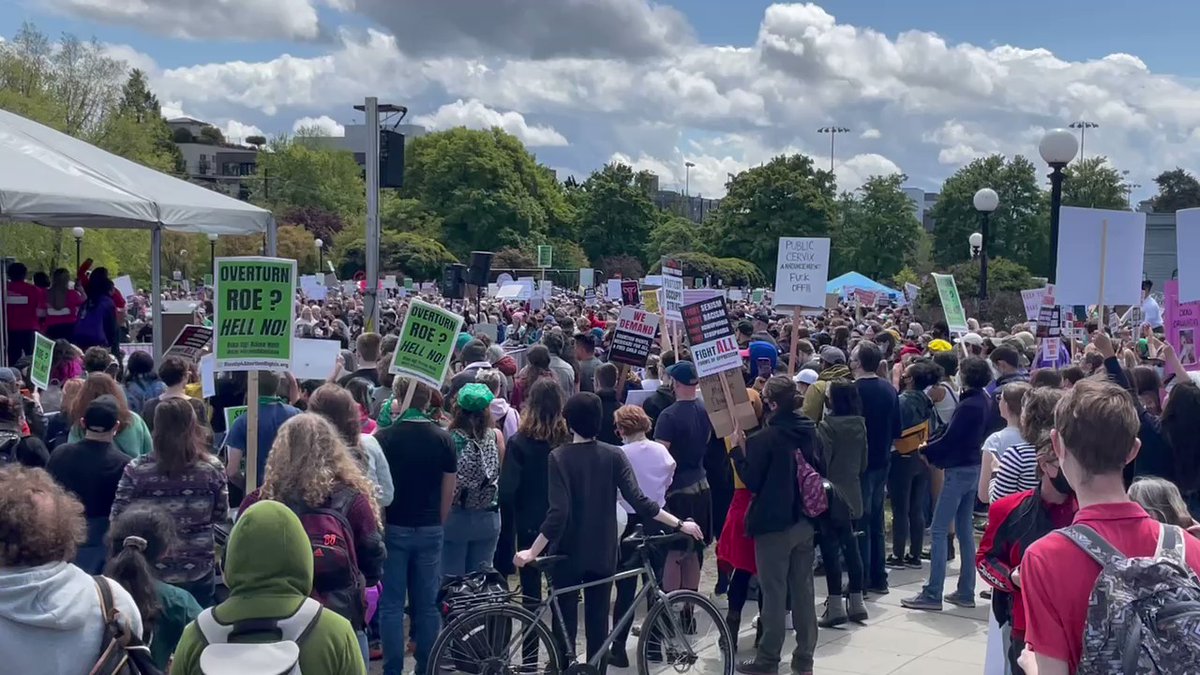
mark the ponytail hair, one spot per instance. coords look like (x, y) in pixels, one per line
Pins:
(136, 541)
(781, 391)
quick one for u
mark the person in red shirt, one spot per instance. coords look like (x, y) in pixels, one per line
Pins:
(24, 299)
(1014, 523)
(60, 307)
(82, 279)
(1094, 437)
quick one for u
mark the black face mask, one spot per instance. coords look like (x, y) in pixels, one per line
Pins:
(1061, 483)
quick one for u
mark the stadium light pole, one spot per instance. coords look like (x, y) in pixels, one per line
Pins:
(833, 132)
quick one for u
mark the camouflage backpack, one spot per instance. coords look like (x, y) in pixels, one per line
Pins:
(1144, 613)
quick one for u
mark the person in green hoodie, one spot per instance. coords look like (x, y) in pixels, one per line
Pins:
(269, 571)
(833, 368)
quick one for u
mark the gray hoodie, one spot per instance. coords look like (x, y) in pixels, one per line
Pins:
(50, 619)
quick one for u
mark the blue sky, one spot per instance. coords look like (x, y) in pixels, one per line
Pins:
(925, 85)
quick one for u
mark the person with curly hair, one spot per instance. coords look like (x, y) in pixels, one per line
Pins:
(50, 620)
(339, 407)
(311, 468)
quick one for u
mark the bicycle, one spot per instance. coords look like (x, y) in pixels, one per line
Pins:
(500, 637)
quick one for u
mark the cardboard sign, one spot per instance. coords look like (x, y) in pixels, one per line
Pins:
(672, 289)
(1181, 325)
(1033, 302)
(545, 256)
(314, 359)
(650, 301)
(634, 336)
(587, 277)
(189, 345)
(1080, 245)
(722, 412)
(802, 271)
(232, 413)
(426, 343)
(629, 292)
(253, 313)
(956, 317)
(124, 284)
(612, 290)
(43, 357)
(710, 335)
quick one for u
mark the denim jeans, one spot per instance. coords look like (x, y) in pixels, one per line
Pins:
(93, 553)
(870, 544)
(470, 543)
(955, 504)
(413, 573)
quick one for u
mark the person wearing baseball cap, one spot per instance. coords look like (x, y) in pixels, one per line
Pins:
(91, 468)
(833, 367)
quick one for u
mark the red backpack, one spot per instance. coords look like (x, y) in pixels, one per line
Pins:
(338, 584)
(814, 489)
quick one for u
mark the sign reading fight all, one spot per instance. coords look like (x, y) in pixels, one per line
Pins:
(672, 289)
(254, 315)
(43, 356)
(426, 343)
(190, 343)
(710, 335)
(802, 272)
(629, 292)
(956, 317)
(545, 256)
(634, 336)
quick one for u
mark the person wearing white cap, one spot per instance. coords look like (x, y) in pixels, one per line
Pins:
(805, 378)
(974, 343)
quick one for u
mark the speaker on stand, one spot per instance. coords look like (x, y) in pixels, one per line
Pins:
(479, 274)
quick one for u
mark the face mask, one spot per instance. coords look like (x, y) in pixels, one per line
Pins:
(1061, 483)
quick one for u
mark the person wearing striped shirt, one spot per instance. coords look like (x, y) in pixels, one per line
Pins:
(1012, 397)
(1017, 469)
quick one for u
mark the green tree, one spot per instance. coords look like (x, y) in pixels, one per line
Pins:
(408, 215)
(211, 135)
(1019, 228)
(512, 258)
(675, 234)
(625, 265)
(877, 229)
(1177, 189)
(86, 82)
(136, 98)
(298, 174)
(487, 189)
(786, 197)
(1093, 183)
(615, 212)
(420, 258)
(731, 271)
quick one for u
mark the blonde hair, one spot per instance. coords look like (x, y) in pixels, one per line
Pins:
(1161, 499)
(309, 461)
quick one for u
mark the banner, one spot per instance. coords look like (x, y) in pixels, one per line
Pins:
(629, 292)
(956, 318)
(545, 256)
(426, 343)
(1181, 325)
(710, 335)
(189, 345)
(634, 336)
(253, 313)
(650, 301)
(43, 357)
(802, 271)
(672, 288)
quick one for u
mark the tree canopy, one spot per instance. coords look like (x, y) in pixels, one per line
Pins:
(1177, 189)
(418, 257)
(615, 213)
(877, 229)
(1095, 184)
(296, 174)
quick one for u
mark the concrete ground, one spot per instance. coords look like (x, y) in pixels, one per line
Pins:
(895, 641)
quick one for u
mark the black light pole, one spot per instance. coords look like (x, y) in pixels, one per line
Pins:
(1058, 148)
(986, 200)
(78, 234)
(212, 256)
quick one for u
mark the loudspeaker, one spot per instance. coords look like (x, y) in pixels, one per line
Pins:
(481, 268)
(391, 159)
(454, 279)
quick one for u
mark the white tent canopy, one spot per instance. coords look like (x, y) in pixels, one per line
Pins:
(56, 180)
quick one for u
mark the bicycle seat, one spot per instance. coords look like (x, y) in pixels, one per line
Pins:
(547, 561)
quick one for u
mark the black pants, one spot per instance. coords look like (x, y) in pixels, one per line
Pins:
(739, 591)
(595, 609)
(627, 588)
(1015, 646)
(20, 342)
(837, 540)
(908, 487)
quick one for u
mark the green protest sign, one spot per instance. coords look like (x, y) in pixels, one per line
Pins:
(545, 256)
(232, 413)
(43, 355)
(253, 313)
(426, 343)
(756, 296)
(956, 317)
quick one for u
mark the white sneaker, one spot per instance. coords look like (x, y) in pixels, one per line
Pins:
(787, 621)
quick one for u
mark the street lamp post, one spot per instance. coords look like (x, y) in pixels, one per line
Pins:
(77, 232)
(183, 258)
(1058, 148)
(833, 132)
(212, 256)
(986, 200)
(317, 243)
(1083, 126)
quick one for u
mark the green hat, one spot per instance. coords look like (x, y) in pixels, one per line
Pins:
(461, 340)
(474, 397)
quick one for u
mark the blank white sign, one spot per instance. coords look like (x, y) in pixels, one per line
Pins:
(1079, 246)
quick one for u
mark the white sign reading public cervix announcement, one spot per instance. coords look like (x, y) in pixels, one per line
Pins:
(802, 272)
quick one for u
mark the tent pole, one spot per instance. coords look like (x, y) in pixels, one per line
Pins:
(272, 238)
(4, 263)
(156, 290)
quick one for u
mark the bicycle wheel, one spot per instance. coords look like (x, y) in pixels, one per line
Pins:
(495, 640)
(685, 632)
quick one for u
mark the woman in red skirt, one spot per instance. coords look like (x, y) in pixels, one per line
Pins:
(735, 550)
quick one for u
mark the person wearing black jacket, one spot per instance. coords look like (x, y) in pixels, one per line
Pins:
(957, 451)
(664, 396)
(783, 535)
(606, 389)
(584, 477)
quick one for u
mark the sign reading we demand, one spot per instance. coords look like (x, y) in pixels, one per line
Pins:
(254, 313)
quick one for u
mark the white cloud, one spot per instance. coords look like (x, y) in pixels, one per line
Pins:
(238, 132)
(206, 19)
(475, 115)
(853, 172)
(327, 125)
(172, 109)
(871, 134)
(131, 56)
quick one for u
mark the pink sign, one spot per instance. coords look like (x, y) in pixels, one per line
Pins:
(1181, 322)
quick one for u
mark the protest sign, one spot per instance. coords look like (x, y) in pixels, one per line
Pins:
(253, 313)
(1181, 325)
(911, 291)
(208, 379)
(589, 296)
(587, 277)
(612, 290)
(124, 284)
(389, 282)
(128, 348)
(634, 336)
(757, 295)
(489, 330)
(710, 335)
(426, 343)
(650, 301)
(190, 343)
(232, 413)
(802, 271)
(43, 356)
(512, 292)
(314, 359)
(866, 298)
(956, 317)
(672, 288)
(629, 292)
(693, 295)
(1187, 239)
(545, 289)
(1033, 301)
(530, 285)
(408, 283)
(724, 413)
(545, 256)
(735, 295)
(654, 280)
(1100, 250)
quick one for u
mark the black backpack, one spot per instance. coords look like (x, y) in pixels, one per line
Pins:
(8, 447)
(121, 652)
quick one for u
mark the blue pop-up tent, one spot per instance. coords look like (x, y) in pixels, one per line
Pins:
(852, 280)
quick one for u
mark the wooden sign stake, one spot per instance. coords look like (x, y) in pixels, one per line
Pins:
(252, 413)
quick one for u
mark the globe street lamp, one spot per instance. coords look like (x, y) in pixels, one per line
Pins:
(77, 232)
(320, 254)
(183, 257)
(986, 200)
(1058, 148)
(212, 256)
